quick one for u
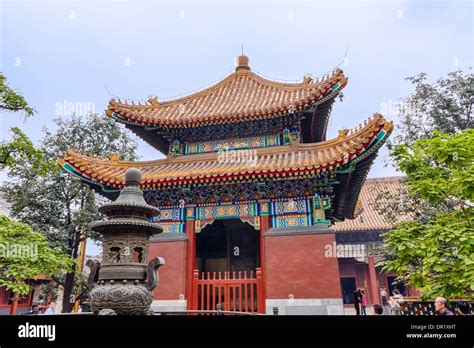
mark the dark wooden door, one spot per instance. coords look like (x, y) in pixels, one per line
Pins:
(348, 286)
(242, 249)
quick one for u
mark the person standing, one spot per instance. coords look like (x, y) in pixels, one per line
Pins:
(357, 301)
(383, 297)
(395, 302)
(363, 301)
(441, 306)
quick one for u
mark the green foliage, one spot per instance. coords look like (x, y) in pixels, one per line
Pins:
(437, 256)
(446, 106)
(25, 254)
(10, 100)
(439, 169)
(397, 206)
(57, 204)
(21, 151)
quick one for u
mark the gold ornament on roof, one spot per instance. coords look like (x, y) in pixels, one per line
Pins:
(307, 79)
(153, 101)
(342, 134)
(115, 158)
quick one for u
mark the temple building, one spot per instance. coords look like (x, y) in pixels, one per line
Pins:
(364, 233)
(249, 192)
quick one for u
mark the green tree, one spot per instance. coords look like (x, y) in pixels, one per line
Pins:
(20, 147)
(446, 106)
(59, 205)
(11, 100)
(437, 256)
(25, 254)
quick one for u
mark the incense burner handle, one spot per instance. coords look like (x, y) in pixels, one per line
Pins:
(94, 274)
(152, 275)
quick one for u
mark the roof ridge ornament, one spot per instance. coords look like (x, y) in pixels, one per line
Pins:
(242, 64)
(115, 157)
(153, 101)
(307, 79)
(342, 134)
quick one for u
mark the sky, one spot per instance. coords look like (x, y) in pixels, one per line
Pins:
(87, 52)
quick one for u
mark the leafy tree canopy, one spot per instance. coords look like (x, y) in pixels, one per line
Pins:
(59, 205)
(12, 101)
(25, 254)
(21, 150)
(437, 257)
(445, 105)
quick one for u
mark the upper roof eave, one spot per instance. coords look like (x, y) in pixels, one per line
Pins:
(241, 96)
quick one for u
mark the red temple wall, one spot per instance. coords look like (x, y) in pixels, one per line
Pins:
(347, 269)
(172, 275)
(296, 266)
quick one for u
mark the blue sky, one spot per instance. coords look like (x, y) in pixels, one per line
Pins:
(89, 51)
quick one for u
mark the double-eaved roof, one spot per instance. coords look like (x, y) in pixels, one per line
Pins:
(243, 98)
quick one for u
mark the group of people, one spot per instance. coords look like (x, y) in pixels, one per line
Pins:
(35, 309)
(395, 303)
(360, 301)
(441, 308)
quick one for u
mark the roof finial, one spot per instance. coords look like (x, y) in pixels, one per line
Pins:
(242, 62)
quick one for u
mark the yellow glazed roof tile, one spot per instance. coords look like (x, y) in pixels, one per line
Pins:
(293, 159)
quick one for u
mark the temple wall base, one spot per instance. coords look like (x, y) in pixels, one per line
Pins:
(169, 305)
(320, 306)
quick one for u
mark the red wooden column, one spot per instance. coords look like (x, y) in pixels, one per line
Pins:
(193, 299)
(14, 304)
(264, 227)
(260, 292)
(190, 260)
(265, 224)
(373, 288)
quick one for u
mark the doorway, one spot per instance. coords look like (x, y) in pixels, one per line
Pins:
(348, 286)
(229, 276)
(229, 245)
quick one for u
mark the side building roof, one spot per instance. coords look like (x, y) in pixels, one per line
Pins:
(367, 217)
